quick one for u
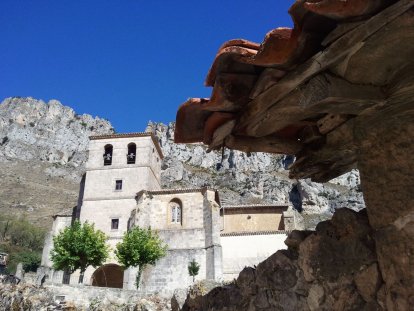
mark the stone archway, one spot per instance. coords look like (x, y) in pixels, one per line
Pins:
(110, 275)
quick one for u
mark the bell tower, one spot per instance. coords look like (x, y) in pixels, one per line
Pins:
(118, 166)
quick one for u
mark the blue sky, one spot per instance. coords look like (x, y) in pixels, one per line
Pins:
(129, 61)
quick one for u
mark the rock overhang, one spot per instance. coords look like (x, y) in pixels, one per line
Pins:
(302, 90)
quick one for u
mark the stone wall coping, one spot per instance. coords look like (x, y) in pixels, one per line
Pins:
(247, 206)
(179, 190)
(127, 135)
(256, 233)
(61, 215)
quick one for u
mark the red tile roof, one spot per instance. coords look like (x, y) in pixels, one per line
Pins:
(278, 96)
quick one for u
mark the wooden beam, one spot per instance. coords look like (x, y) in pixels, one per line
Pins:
(330, 122)
(220, 134)
(263, 144)
(333, 158)
(230, 92)
(257, 109)
(303, 102)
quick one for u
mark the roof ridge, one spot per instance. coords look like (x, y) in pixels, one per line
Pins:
(256, 205)
(177, 190)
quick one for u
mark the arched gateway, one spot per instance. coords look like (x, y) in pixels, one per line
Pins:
(110, 275)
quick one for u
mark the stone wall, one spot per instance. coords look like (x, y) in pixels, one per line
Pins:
(333, 268)
(59, 223)
(253, 219)
(240, 251)
(197, 237)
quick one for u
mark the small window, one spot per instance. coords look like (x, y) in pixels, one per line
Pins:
(132, 153)
(118, 184)
(114, 223)
(176, 215)
(107, 156)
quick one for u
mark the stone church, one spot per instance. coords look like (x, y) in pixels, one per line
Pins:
(121, 189)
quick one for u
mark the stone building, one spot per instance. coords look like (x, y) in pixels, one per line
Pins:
(121, 189)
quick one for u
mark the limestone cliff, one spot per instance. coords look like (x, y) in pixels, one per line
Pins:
(42, 156)
(43, 153)
(31, 129)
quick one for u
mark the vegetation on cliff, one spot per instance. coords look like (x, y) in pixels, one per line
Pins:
(23, 242)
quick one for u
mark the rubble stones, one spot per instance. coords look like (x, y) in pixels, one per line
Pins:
(25, 297)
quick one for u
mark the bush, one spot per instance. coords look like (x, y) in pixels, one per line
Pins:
(20, 232)
(30, 261)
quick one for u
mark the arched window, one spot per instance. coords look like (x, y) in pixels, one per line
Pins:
(176, 211)
(132, 153)
(107, 156)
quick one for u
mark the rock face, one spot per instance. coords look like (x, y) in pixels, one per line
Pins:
(253, 178)
(31, 129)
(42, 155)
(333, 268)
(27, 297)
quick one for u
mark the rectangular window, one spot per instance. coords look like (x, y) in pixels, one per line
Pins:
(114, 223)
(118, 184)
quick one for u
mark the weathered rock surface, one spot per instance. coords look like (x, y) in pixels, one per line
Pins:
(43, 149)
(26, 297)
(31, 129)
(333, 268)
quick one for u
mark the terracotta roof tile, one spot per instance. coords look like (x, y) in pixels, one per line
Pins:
(190, 121)
(231, 58)
(271, 97)
(339, 9)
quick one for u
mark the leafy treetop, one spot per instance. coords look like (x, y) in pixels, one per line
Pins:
(193, 268)
(79, 246)
(140, 247)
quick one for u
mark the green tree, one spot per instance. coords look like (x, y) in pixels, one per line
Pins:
(193, 268)
(78, 247)
(140, 247)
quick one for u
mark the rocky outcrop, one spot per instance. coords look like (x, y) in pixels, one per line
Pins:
(31, 129)
(332, 268)
(43, 149)
(26, 297)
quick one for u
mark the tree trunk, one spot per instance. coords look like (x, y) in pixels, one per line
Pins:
(138, 278)
(81, 275)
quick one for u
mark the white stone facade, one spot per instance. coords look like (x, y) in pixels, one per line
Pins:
(117, 194)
